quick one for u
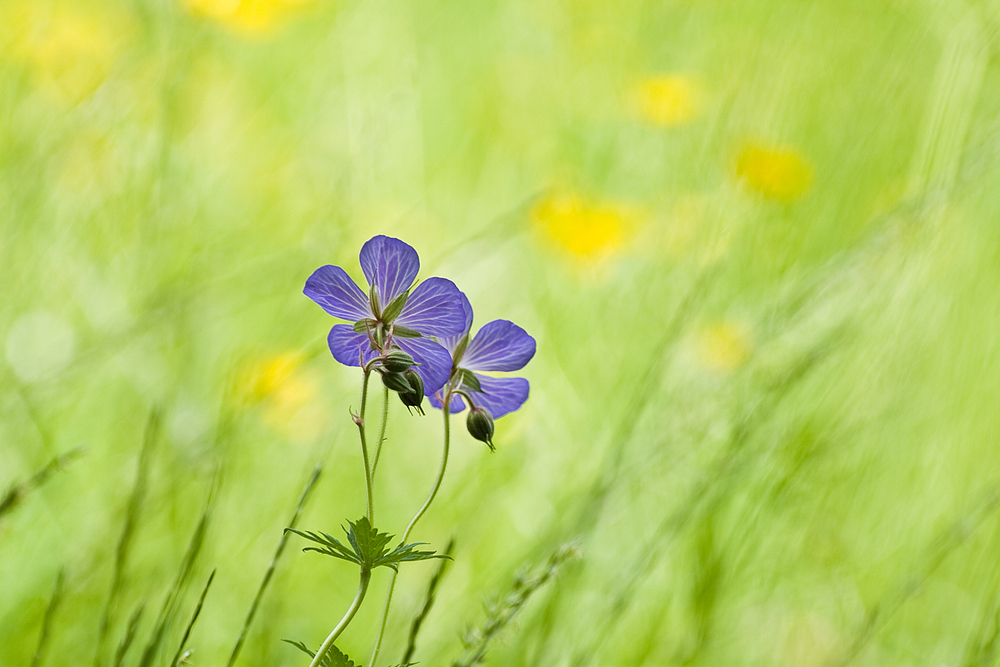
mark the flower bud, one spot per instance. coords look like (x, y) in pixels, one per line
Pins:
(396, 382)
(415, 397)
(397, 361)
(480, 425)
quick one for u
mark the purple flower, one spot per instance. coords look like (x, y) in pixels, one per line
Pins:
(498, 346)
(390, 315)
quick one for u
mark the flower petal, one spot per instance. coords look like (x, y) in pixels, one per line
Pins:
(499, 346)
(457, 404)
(336, 293)
(434, 308)
(347, 345)
(451, 342)
(390, 265)
(500, 396)
(434, 360)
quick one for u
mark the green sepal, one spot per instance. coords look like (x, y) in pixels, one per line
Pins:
(334, 656)
(395, 307)
(403, 332)
(469, 379)
(397, 382)
(363, 326)
(373, 299)
(460, 348)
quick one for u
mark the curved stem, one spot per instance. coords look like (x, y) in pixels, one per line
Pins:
(416, 517)
(360, 421)
(351, 611)
(381, 430)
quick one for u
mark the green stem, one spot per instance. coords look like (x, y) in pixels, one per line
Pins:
(413, 522)
(351, 611)
(360, 421)
(381, 431)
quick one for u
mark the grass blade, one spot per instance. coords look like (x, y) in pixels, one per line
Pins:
(17, 492)
(303, 497)
(50, 612)
(411, 642)
(194, 618)
(128, 530)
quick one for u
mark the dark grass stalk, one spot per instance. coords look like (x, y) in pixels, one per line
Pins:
(128, 531)
(194, 618)
(169, 608)
(18, 491)
(303, 497)
(418, 621)
(50, 613)
(942, 546)
(501, 614)
(130, 632)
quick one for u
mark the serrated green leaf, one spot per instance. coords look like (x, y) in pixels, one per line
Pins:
(470, 380)
(406, 553)
(395, 307)
(403, 332)
(334, 656)
(331, 546)
(368, 542)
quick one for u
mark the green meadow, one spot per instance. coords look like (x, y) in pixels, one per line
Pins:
(756, 242)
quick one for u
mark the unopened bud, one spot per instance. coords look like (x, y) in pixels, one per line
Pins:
(415, 397)
(396, 381)
(480, 425)
(397, 361)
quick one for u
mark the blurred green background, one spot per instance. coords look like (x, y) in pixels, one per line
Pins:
(756, 241)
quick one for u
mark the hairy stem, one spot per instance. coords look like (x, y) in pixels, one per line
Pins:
(416, 517)
(381, 430)
(348, 616)
(360, 421)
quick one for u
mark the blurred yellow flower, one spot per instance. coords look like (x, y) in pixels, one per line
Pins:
(586, 230)
(668, 100)
(724, 346)
(69, 52)
(248, 16)
(285, 393)
(777, 172)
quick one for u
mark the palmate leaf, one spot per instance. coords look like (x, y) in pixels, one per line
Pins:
(334, 656)
(406, 553)
(369, 548)
(331, 546)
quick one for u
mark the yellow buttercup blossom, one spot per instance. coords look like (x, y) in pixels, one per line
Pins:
(286, 394)
(669, 100)
(584, 229)
(248, 16)
(777, 172)
(723, 347)
(69, 52)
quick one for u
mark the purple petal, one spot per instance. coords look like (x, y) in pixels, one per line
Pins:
(336, 293)
(457, 404)
(434, 360)
(347, 345)
(390, 265)
(499, 346)
(500, 395)
(434, 308)
(451, 342)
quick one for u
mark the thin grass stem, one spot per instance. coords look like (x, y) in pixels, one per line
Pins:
(303, 497)
(445, 409)
(50, 612)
